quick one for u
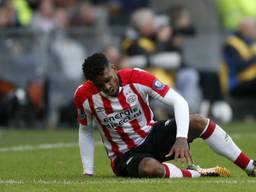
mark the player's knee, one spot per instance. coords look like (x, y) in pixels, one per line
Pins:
(150, 167)
(197, 124)
(197, 121)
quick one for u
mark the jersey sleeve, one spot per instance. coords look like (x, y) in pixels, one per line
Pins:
(86, 144)
(154, 86)
(84, 116)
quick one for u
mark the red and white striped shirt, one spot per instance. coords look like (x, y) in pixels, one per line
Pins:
(123, 121)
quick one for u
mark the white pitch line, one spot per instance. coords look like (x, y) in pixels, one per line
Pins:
(228, 181)
(153, 181)
(41, 146)
(11, 182)
(36, 147)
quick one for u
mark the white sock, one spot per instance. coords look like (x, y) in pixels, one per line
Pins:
(222, 144)
(171, 171)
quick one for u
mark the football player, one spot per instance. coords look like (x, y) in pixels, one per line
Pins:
(117, 101)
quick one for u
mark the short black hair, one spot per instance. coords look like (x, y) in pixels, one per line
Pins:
(94, 65)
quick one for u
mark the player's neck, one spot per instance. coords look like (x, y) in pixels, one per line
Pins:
(112, 96)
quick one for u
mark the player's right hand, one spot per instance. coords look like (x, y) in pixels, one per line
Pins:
(181, 151)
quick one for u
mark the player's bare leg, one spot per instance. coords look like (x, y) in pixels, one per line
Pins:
(150, 167)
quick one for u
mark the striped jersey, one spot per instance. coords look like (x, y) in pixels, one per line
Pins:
(123, 121)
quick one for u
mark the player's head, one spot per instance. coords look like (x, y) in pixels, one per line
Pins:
(97, 69)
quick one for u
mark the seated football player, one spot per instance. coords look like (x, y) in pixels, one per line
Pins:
(138, 146)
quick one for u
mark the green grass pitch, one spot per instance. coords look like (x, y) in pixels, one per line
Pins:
(49, 160)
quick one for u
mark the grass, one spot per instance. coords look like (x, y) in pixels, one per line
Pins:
(28, 164)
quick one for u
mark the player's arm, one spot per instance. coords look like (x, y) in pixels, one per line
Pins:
(181, 111)
(86, 144)
(86, 141)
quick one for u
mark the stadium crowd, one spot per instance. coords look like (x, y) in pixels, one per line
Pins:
(131, 34)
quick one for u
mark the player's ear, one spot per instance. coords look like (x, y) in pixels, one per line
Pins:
(114, 67)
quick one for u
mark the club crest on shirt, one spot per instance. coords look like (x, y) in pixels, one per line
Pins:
(158, 85)
(131, 99)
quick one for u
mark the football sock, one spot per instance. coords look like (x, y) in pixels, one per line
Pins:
(171, 171)
(222, 144)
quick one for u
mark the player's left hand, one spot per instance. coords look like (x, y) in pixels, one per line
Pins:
(87, 175)
(181, 151)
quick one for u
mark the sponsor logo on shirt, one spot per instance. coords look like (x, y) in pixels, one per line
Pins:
(120, 118)
(158, 85)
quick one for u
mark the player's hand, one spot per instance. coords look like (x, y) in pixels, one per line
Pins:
(181, 151)
(87, 175)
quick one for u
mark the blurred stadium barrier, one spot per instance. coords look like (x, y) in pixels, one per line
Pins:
(32, 56)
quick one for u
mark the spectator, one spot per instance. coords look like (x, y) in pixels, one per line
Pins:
(67, 53)
(187, 77)
(120, 10)
(69, 57)
(95, 20)
(34, 4)
(240, 60)
(114, 55)
(8, 102)
(166, 55)
(8, 15)
(147, 48)
(22, 106)
(90, 16)
(43, 19)
(23, 12)
(66, 4)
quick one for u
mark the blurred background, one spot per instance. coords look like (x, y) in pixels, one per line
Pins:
(205, 49)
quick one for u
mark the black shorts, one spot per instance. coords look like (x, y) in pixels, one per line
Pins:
(157, 144)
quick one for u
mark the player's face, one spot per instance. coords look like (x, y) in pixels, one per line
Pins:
(108, 82)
